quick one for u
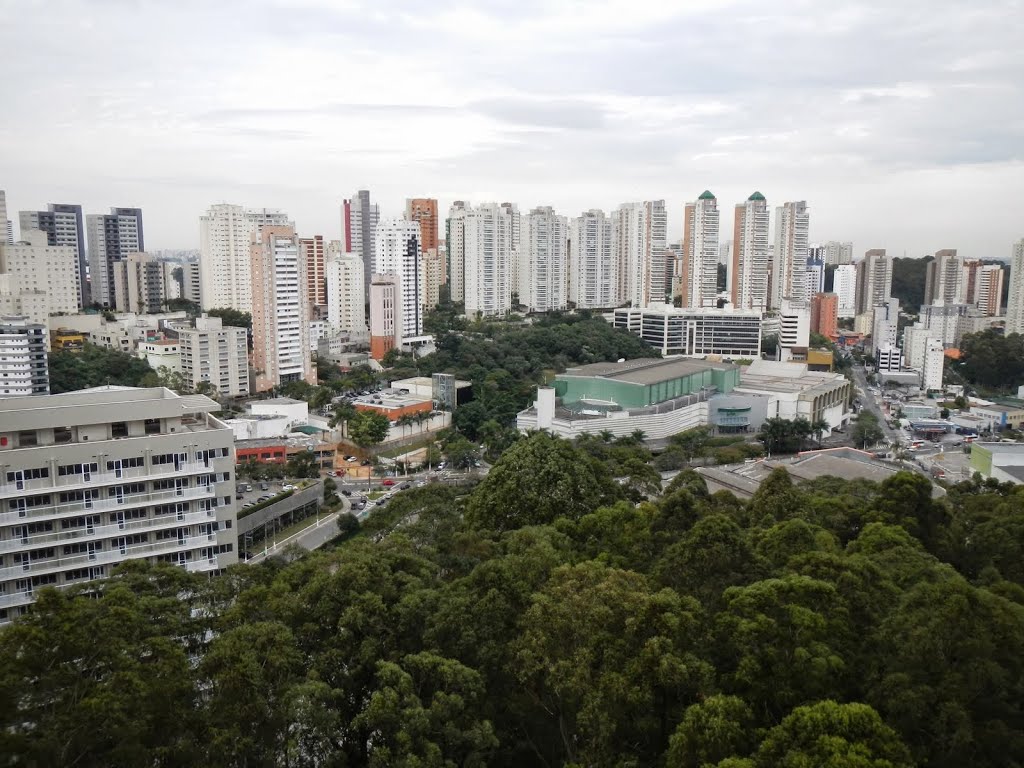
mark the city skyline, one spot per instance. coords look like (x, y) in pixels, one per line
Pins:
(885, 148)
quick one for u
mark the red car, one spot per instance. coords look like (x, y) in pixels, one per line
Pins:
(388, 483)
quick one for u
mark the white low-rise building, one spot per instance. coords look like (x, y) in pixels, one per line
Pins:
(296, 411)
(731, 334)
(795, 391)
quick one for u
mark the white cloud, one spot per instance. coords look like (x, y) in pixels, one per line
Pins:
(579, 104)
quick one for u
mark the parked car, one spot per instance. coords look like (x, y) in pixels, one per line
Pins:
(346, 492)
(263, 487)
(388, 482)
(405, 486)
(365, 463)
(351, 459)
(288, 488)
(247, 487)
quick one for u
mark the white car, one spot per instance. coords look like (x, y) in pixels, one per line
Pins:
(288, 488)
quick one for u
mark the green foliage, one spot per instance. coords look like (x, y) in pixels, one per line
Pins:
(232, 317)
(95, 366)
(992, 360)
(908, 281)
(368, 428)
(550, 617)
(303, 464)
(866, 430)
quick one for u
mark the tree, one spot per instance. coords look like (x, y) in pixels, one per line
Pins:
(866, 430)
(232, 317)
(461, 453)
(303, 464)
(710, 731)
(348, 524)
(537, 480)
(94, 366)
(831, 734)
(368, 428)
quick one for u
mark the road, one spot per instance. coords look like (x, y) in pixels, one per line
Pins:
(868, 402)
(320, 530)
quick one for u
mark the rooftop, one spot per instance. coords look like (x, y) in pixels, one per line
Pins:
(756, 196)
(706, 195)
(646, 371)
(770, 376)
(278, 401)
(1001, 447)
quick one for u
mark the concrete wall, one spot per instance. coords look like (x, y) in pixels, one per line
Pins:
(310, 495)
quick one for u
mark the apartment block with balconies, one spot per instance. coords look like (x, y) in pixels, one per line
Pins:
(92, 478)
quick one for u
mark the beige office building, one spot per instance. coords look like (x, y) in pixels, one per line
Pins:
(216, 354)
(49, 269)
(92, 478)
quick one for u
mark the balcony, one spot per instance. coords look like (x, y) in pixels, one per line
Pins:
(57, 564)
(57, 511)
(56, 484)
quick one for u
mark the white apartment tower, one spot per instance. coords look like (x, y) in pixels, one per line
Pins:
(593, 274)
(944, 278)
(488, 248)
(749, 270)
(983, 287)
(844, 285)
(542, 279)
(97, 477)
(6, 228)
(63, 224)
(112, 237)
(1015, 296)
(346, 309)
(359, 219)
(397, 252)
(698, 268)
(640, 240)
(51, 269)
(837, 253)
(789, 258)
(934, 360)
(24, 368)
(280, 310)
(874, 279)
(216, 354)
(225, 239)
(455, 241)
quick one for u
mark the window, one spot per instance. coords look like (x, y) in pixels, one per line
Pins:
(75, 469)
(152, 426)
(27, 438)
(135, 462)
(119, 429)
(62, 434)
(37, 473)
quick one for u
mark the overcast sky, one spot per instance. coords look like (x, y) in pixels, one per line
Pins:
(901, 123)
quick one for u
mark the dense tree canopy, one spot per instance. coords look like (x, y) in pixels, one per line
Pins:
(992, 360)
(546, 617)
(95, 366)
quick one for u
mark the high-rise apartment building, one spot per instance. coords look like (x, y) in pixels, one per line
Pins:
(544, 271)
(225, 241)
(934, 362)
(1015, 296)
(314, 255)
(40, 267)
(6, 228)
(639, 243)
(346, 307)
(424, 211)
(789, 258)
(593, 273)
(24, 368)
(385, 315)
(359, 219)
(794, 330)
(814, 277)
(844, 286)
(825, 314)
(111, 238)
(983, 286)
(215, 354)
(748, 273)
(182, 280)
(943, 278)
(490, 237)
(64, 225)
(97, 477)
(397, 252)
(698, 268)
(874, 279)
(280, 309)
(433, 277)
(885, 325)
(455, 240)
(139, 284)
(17, 301)
(837, 253)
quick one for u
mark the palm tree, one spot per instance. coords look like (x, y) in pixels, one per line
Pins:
(606, 435)
(819, 426)
(638, 435)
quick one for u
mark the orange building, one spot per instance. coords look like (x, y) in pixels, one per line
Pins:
(424, 210)
(825, 314)
(316, 278)
(394, 408)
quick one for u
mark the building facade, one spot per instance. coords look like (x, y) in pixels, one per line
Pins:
(844, 286)
(63, 224)
(93, 478)
(748, 274)
(434, 277)
(225, 242)
(983, 287)
(423, 210)
(697, 270)
(455, 243)
(794, 330)
(385, 315)
(112, 237)
(544, 269)
(397, 252)
(216, 354)
(24, 368)
(825, 314)
(50, 269)
(280, 310)
(944, 278)
(314, 254)
(490, 239)
(139, 284)
(934, 360)
(359, 219)
(1015, 296)
(837, 253)
(874, 279)
(694, 332)
(789, 256)
(346, 309)
(593, 274)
